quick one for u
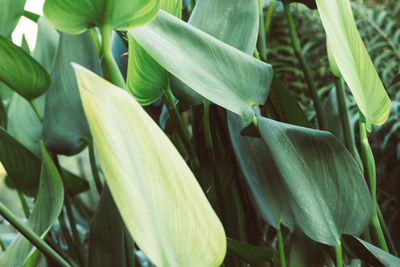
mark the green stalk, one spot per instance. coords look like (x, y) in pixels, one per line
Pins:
(36, 110)
(386, 232)
(180, 128)
(281, 248)
(339, 259)
(323, 125)
(31, 236)
(24, 204)
(94, 35)
(30, 15)
(93, 166)
(370, 174)
(2, 245)
(268, 18)
(67, 236)
(344, 115)
(110, 68)
(261, 33)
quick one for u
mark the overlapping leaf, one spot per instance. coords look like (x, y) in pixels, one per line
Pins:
(10, 12)
(215, 70)
(74, 17)
(158, 197)
(353, 61)
(49, 202)
(328, 194)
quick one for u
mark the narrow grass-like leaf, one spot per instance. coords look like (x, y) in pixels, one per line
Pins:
(353, 61)
(49, 202)
(146, 78)
(158, 197)
(10, 12)
(21, 72)
(328, 194)
(74, 17)
(215, 70)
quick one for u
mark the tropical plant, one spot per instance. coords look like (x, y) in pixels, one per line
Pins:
(217, 133)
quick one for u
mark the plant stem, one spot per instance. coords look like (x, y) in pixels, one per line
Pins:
(36, 110)
(386, 232)
(281, 248)
(180, 128)
(94, 35)
(370, 174)
(67, 236)
(23, 204)
(2, 245)
(30, 15)
(306, 69)
(344, 115)
(110, 68)
(339, 259)
(93, 166)
(261, 33)
(268, 18)
(31, 236)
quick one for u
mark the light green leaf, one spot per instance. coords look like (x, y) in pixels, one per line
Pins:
(353, 61)
(328, 194)
(75, 17)
(49, 202)
(65, 127)
(215, 70)
(10, 12)
(146, 78)
(21, 72)
(237, 26)
(158, 197)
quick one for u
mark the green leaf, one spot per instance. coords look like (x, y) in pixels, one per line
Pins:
(158, 197)
(146, 78)
(262, 177)
(21, 72)
(75, 17)
(370, 253)
(65, 127)
(304, 252)
(10, 12)
(328, 194)
(222, 74)
(49, 202)
(249, 253)
(331, 110)
(237, 26)
(353, 61)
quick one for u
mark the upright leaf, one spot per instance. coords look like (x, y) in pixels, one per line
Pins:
(328, 194)
(10, 12)
(215, 70)
(163, 207)
(49, 202)
(353, 61)
(75, 17)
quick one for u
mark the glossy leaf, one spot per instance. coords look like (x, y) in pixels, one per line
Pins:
(158, 197)
(222, 74)
(49, 202)
(249, 253)
(262, 177)
(371, 253)
(353, 61)
(146, 78)
(328, 194)
(237, 26)
(21, 72)
(75, 17)
(10, 12)
(65, 127)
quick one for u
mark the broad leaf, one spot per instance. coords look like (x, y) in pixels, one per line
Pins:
(262, 177)
(371, 253)
(353, 61)
(146, 78)
(10, 12)
(75, 17)
(21, 72)
(237, 26)
(215, 70)
(49, 202)
(65, 127)
(328, 194)
(251, 254)
(304, 252)
(158, 197)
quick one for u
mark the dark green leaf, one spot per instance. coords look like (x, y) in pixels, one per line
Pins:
(249, 253)
(10, 12)
(304, 252)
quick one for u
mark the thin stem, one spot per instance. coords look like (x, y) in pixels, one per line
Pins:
(94, 168)
(323, 125)
(268, 18)
(339, 259)
(344, 115)
(261, 33)
(110, 68)
(94, 35)
(180, 128)
(386, 232)
(370, 174)
(67, 235)
(30, 15)
(2, 245)
(281, 248)
(36, 110)
(24, 205)
(31, 236)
